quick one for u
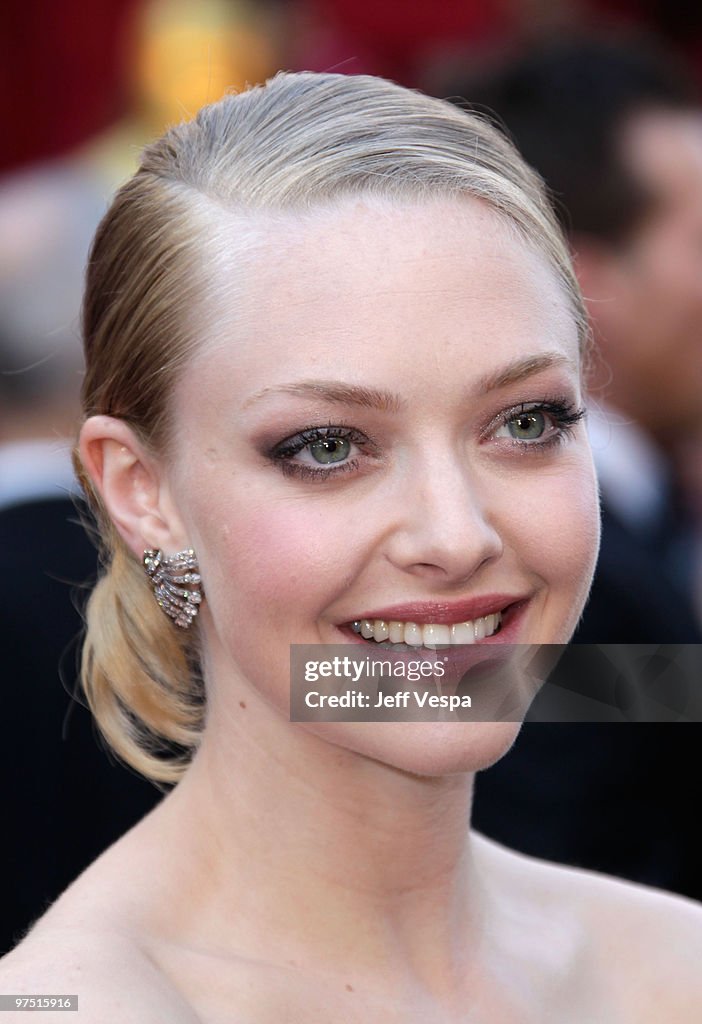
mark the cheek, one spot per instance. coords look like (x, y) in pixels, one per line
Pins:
(268, 567)
(554, 530)
(264, 555)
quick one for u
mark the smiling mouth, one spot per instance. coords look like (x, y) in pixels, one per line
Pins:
(402, 636)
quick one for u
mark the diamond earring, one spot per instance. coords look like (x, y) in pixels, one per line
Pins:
(177, 584)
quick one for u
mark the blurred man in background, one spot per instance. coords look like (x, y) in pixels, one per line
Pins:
(616, 132)
(617, 135)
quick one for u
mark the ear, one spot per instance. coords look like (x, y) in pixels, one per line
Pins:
(132, 485)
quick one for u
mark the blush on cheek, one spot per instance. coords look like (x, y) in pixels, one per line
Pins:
(579, 545)
(267, 556)
(557, 539)
(572, 523)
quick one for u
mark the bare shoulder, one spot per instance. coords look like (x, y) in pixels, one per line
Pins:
(113, 978)
(641, 947)
(652, 943)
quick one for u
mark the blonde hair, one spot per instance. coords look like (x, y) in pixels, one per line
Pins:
(296, 143)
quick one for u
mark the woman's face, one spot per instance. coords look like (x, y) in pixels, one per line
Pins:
(386, 429)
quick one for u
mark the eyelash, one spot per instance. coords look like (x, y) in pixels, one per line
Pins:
(283, 453)
(563, 414)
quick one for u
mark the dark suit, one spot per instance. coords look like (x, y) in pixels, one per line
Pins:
(63, 799)
(619, 798)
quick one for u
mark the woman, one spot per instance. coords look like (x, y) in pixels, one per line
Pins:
(334, 349)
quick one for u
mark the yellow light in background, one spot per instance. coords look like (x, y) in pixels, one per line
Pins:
(190, 52)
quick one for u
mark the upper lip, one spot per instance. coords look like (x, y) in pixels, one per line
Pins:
(426, 612)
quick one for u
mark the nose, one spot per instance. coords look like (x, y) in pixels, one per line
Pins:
(445, 530)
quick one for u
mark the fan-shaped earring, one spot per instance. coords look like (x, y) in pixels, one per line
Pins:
(177, 584)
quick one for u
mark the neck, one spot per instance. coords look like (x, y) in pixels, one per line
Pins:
(320, 856)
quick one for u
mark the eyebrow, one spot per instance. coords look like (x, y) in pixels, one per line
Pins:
(335, 391)
(521, 369)
(340, 393)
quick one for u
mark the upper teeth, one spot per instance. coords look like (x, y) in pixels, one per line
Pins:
(430, 635)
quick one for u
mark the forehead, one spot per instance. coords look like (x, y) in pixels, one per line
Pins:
(368, 274)
(421, 300)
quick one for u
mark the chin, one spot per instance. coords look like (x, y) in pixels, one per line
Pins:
(425, 748)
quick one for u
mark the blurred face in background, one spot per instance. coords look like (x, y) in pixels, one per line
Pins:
(646, 296)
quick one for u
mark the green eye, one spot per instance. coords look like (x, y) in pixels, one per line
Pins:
(330, 449)
(527, 426)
